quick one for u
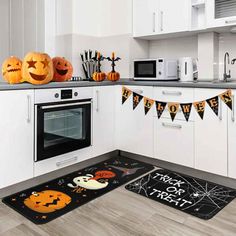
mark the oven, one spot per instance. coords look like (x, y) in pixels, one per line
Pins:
(63, 125)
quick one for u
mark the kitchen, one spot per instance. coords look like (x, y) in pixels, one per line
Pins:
(119, 131)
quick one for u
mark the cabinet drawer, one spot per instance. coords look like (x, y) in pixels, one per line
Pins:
(180, 95)
(55, 163)
(174, 141)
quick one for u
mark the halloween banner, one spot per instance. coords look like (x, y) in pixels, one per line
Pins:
(136, 99)
(226, 97)
(125, 94)
(200, 108)
(174, 107)
(148, 103)
(186, 109)
(160, 107)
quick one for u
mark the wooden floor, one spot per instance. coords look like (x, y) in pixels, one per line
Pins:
(121, 212)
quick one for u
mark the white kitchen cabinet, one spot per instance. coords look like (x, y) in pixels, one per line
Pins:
(220, 13)
(134, 129)
(154, 17)
(232, 140)
(145, 17)
(103, 119)
(174, 141)
(211, 136)
(16, 127)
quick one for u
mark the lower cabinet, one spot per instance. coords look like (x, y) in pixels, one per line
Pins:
(103, 119)
(211, 136)
(134, 129)
(17, 129)
(174, 141)
(232, 140)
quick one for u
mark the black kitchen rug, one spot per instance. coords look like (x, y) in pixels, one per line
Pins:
(50, 200)
(194, 196)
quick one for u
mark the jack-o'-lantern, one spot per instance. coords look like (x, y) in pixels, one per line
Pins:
(113, 75)
(63, 69)
(11, 70)
(47, 201)
(37, 68)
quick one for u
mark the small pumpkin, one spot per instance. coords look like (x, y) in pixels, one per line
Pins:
(37, 68)
(47, 201)
(113, 75)
(63, 69)
(99, 76)
(11, 70)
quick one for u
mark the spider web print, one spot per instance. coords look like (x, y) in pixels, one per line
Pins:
(204, 199)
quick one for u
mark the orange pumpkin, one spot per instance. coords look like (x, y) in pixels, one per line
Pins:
(99, 76)
(11, 70)
(113, 76)
(37, 68)
(47, 201)
(63, 69)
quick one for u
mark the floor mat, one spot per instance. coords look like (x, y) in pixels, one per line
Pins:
(50, 200)
(194, 196)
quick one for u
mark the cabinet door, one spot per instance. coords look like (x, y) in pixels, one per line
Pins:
(211, 136)
(174, 141)
(174, 15)
(232, 140)
(16, 127)
(134, 130)
(103, 119)
(220, 13)
(145, 18)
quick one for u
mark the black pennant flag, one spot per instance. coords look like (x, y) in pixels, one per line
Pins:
(125, 94)
(148, 103)
(186, 109)
(136, 99)
(173, 109)
(226, 97)
(200, 108)
(160, 107)
(214, 104)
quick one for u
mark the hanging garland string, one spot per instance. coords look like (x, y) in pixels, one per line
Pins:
(174, 107)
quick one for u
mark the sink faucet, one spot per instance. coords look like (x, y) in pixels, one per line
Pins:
(225, 75)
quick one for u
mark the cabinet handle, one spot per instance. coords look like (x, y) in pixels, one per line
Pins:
(154, 22)
(173, 93)
(71, 160)
(233, 111)
(169, 125)
(28, 109)
(97, 102)
(220, 112)
(138, 91)
(230, 21)
(162, 14)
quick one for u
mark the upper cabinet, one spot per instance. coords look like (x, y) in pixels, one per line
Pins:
(220, 13)
(153, 17)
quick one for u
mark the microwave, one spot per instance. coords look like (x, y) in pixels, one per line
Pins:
(159, 69)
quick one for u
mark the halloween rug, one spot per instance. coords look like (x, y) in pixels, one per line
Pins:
(50, 200)
(191, 195)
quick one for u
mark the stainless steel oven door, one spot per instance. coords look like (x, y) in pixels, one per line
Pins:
(61, 128)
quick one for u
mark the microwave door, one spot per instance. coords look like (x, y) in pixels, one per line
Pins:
(145, 70)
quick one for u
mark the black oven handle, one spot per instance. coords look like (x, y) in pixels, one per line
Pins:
(65, 105)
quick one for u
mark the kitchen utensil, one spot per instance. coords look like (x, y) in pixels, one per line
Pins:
(188, 68)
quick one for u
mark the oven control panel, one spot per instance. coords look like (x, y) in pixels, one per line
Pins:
(67, 94)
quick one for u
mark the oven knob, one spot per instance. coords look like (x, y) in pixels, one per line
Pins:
(56, 95)
(76, 94)
(159, 73)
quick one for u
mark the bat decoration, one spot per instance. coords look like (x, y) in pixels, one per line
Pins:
(113, 75)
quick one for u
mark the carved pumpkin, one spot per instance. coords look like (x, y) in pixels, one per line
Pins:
(113, 76)
(99, 76)
(63, 69)
(11, 70)
(37, 68)
(47, 201)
